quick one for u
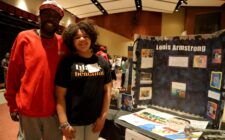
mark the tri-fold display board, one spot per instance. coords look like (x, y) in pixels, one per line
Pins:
(184, 73)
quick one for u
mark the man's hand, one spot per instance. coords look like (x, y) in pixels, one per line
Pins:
(14, 116)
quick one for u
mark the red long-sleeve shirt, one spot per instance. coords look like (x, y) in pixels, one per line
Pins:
(31, 72)
(103, 54)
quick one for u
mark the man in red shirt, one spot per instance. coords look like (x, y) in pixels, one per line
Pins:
(103, 53)
(31, 72)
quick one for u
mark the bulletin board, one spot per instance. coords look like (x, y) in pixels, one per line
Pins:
(184, 73)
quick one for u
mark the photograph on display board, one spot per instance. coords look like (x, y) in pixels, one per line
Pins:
(217, 56)
(147, 58)
(216, 78)
(145, 93)
(178, 89)
(126, 102)
(145, 78)
(211, 109)
(200, 61)
(147, 52)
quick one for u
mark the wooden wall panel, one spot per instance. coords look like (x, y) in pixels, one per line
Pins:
(129, 23)
(223, 16)
(192, 12)
(149, 23)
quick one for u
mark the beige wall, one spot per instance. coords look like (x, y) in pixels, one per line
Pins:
(116, 44)
(173, 24)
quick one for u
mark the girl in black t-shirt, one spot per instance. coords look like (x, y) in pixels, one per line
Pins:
(83, 85)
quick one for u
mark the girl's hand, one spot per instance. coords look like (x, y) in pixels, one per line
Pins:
(69, 132)
(98, 125)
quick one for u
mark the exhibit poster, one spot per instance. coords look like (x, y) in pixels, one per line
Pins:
(178, 89)
(216, 78)
(145, 78)
(164, 124)
(211, 109)
(146, 58)
(145, 93)
(200, 61)
(217, 56)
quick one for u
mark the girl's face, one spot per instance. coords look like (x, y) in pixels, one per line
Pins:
(82, 42)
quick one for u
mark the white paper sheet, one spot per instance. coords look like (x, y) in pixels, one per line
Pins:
(164, 124)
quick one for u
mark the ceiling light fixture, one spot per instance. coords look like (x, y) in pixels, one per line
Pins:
(138, 4)
(179, 3)
(184, 1)
(99, 6)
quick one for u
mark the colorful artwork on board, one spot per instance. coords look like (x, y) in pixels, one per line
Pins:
(145, 78)
(211, 109)
(217, 56)
(178, 89)
(200, 61)
(145, 93)
(147, 58)
(216, 78)
(147, 52)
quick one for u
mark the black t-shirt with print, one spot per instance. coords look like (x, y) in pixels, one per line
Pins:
(84, 79)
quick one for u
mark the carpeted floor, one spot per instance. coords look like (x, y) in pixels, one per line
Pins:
(8, 128)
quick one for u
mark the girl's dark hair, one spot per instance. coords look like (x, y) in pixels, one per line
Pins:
(71, 31)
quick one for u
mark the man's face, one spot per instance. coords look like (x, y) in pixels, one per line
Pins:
(49, 21)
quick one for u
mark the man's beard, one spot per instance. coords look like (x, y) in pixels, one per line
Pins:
(49, 28)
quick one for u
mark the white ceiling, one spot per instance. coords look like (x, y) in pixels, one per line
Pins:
(85, 8)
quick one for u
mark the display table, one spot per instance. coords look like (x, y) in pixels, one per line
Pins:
(132, 127)
(115, 128)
